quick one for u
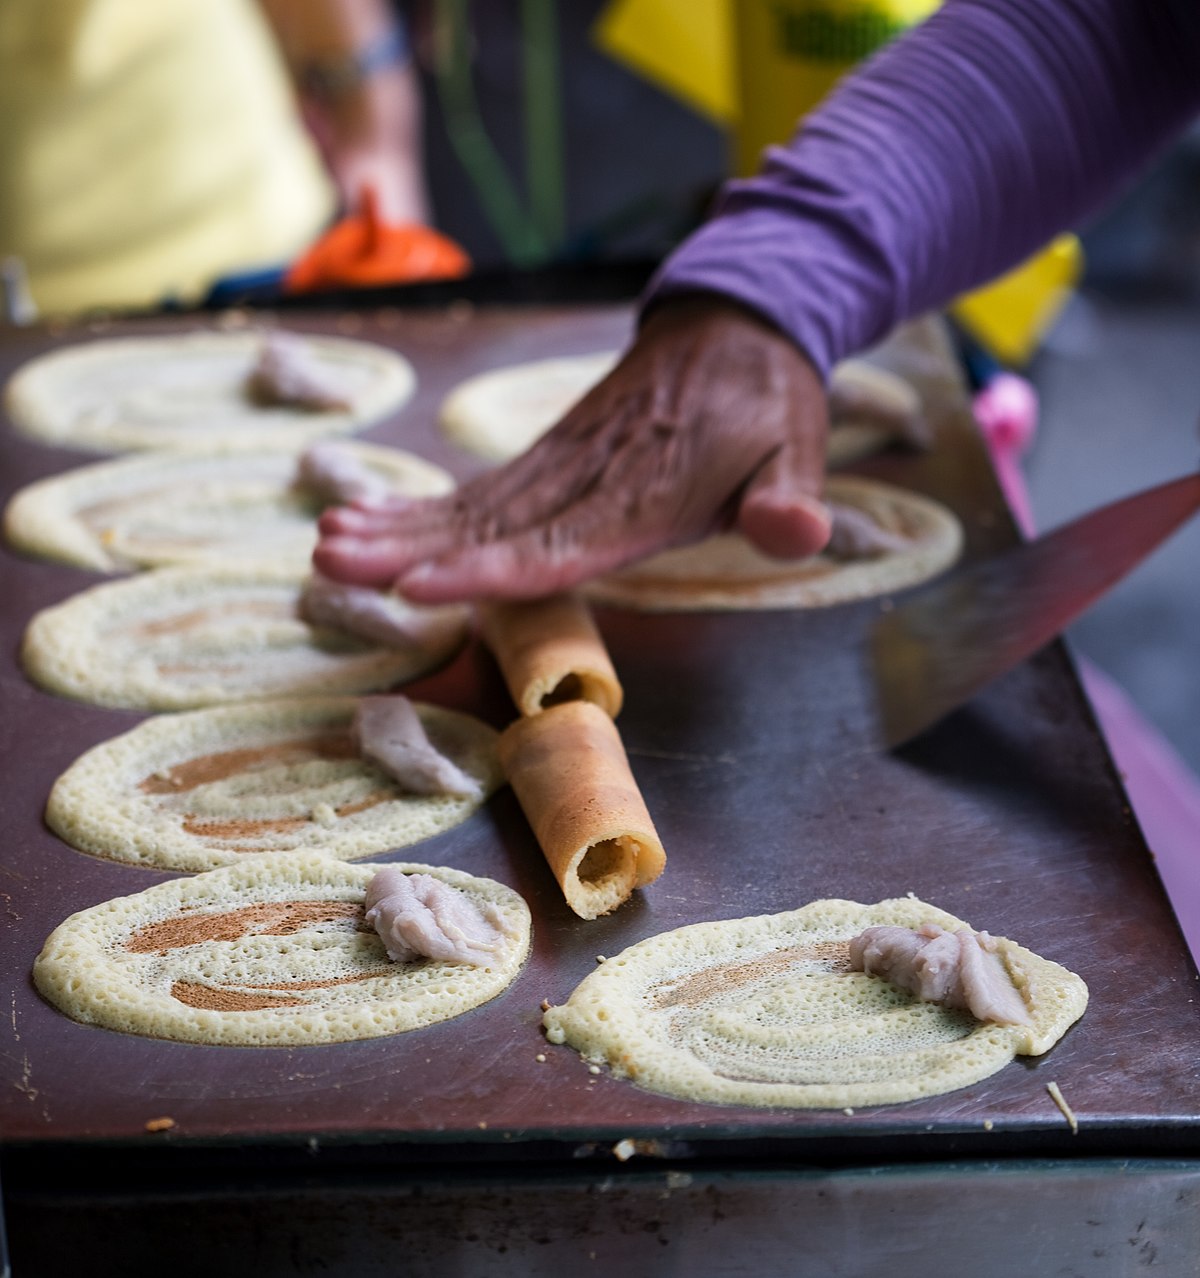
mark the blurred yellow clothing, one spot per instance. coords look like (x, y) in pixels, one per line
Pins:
(148, 147)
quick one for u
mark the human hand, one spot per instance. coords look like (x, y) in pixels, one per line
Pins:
(712, 418)
(369, 139)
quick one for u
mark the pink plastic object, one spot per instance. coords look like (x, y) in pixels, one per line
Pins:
(1007, 412)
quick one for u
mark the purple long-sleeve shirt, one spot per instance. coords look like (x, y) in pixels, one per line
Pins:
(948, 158)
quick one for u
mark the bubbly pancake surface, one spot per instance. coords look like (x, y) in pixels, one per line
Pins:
(726, 572)
(765, 1011)
(244, 509)
(178, 638)
(273, 951)
(208, 787)
(189, 391)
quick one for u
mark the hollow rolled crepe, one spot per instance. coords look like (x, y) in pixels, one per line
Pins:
(550, 651)
(571, 775)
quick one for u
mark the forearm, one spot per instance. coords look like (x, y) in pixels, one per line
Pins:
(950, 157)
(359, 117)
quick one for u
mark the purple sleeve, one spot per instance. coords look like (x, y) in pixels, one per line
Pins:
(951, 156)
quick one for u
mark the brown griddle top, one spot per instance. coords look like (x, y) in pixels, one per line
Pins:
(746, 733)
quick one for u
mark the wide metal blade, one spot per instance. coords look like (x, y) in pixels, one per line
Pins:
(939, 647)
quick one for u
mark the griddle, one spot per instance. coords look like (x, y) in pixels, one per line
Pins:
(749, 736)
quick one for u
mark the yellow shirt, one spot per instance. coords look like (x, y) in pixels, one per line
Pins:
(148, 147)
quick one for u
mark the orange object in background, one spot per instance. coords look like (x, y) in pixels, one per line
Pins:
(363, 251)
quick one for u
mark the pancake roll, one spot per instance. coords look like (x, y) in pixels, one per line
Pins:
(572, 778)
(550, 651)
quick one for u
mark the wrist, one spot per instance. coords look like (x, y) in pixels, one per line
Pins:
(735, 319)
(332, 77)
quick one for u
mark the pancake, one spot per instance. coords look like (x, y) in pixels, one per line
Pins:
(202, 789)
(549, 651)
(272, 952)
(179, 638)
(572, 778)
(726, 572)
(165, 508)
(765, 1011)
(190, 390)
(497, 415)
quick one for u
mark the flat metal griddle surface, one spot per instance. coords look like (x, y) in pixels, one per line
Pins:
(746, 733)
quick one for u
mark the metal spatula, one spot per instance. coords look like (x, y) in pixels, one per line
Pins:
(939, 647)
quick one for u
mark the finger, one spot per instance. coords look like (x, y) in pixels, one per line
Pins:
(363, 545)
(781, 511)
(406, 514)
(361, 561)
(594, 537)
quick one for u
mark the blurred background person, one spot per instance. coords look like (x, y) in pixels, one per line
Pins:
(147, 150)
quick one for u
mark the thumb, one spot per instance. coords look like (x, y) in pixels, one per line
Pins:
(781, 511)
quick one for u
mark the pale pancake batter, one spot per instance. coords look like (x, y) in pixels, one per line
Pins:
(179, 638)
(192, 390)
(205, 788)
(767, 1011)
(275, 951)
(726, 572)
(249, 510)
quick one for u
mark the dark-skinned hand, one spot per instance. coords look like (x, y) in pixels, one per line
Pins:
(711, 419)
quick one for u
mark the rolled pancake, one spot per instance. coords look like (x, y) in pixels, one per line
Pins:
(272, 952)
(766, 1011)
(571, 775)
(550, 651)
(202, 789)
(497, 415)
(242, 509)
(726, 572)
(179, 638)
(189, 390)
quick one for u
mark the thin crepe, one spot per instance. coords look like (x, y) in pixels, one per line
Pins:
(550, 651)
(572, 778)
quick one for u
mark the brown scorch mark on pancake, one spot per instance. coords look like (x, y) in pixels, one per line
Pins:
(220, 999)
(209, 768)
(242, 828)
(712, 981)
(265, 918)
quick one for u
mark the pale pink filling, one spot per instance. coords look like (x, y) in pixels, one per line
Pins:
(854, 534)
(418, 916)
(330, 473)
(389, 732)
(378, 616)
(287, 373)
(956, 969)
